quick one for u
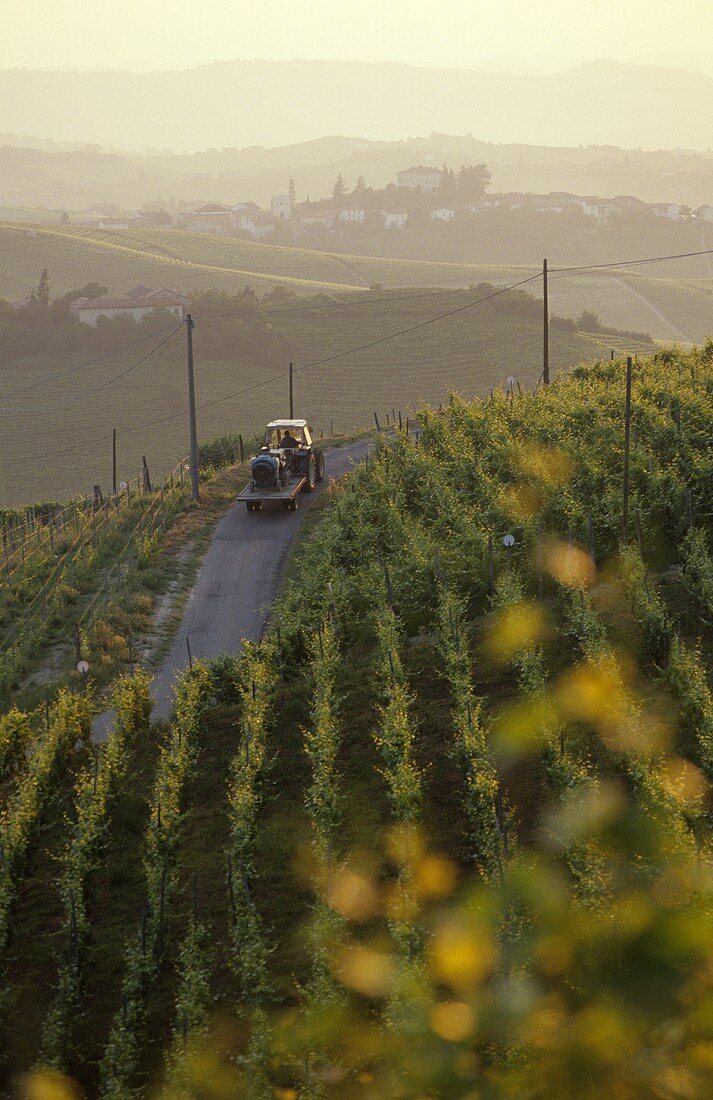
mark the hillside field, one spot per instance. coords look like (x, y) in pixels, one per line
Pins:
(667, 307)
(445, 831)
(56, 435)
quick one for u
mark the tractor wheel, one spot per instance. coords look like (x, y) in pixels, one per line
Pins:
(310, 474)
(319, 456)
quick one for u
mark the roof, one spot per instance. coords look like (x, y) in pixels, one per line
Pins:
(143, 301)
(419, 169)
(213, 208)
(287, 424)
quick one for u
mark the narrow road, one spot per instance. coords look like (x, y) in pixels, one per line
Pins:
(237, 583)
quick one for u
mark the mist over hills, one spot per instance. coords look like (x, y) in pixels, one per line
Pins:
(38, 173)
(240, 103)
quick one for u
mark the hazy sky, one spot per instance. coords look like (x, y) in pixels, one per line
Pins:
(505, 34)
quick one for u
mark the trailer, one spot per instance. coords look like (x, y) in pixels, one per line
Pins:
(287, 495)
(288, 464)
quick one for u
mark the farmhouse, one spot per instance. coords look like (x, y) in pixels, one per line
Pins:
(420, 178)
(352, 214)
(394, 218)
(704, 213)
(666, 210)
(443, 214)
(214, 214)
(113, 223)
(137, 304)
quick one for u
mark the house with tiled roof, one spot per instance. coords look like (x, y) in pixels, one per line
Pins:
(137, 304)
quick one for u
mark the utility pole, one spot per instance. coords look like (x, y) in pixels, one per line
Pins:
(292, 396)
(113, 461)
(627, 434)
(195, 488)
(545, 329)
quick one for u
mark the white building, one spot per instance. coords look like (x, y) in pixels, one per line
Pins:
(591, 208)
(113, 223)
(394, 219)
(258, 226)
(443, 214)
(420, 178)
(666, 210)
(281, 207)
(354, 214)
(135, 305)
(704, 213)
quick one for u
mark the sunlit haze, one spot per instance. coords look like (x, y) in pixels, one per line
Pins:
(514, 34)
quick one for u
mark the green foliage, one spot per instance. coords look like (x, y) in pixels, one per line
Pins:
(193, 697)
(15, 737)
(97, 789)
(22, 816)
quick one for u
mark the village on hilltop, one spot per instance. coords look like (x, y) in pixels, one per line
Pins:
(418, 192)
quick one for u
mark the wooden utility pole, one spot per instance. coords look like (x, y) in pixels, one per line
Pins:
(195, 485)
(113, 461)
(292, 396)
(627, 436)
(545, 328)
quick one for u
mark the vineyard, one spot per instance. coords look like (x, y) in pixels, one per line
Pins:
(446, 830)
(196, 262)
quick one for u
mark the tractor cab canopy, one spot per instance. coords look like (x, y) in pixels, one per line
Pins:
(296, 429)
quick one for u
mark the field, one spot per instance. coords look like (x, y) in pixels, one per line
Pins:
(446, 830)
(667, 307)
(56, 437)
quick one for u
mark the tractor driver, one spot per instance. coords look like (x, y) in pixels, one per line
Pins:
(288, 440)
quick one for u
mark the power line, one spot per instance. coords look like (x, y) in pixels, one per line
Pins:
(104, 385)
(83, 366)
(283, 374)
(564, 271)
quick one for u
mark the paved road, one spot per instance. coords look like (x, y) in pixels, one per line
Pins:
(237, 583)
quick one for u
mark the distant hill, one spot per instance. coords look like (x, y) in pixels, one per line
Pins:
(668, 308)
(241, 103)
(37, 173)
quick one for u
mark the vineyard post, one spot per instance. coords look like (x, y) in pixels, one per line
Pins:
(627, 438)
(545, 329)
(242, 451)
(193, 431)
(376, 421)
(292, 395)
(491, 564)
(113, 461)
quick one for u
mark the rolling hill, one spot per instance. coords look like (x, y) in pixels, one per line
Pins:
(58, 414)
(669, 309)
(603, 102)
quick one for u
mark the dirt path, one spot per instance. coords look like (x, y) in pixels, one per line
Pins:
(237, 583)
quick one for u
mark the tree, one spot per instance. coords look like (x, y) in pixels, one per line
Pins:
(472, 182)
(360, 185)
(41, 296)
(339, 187)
